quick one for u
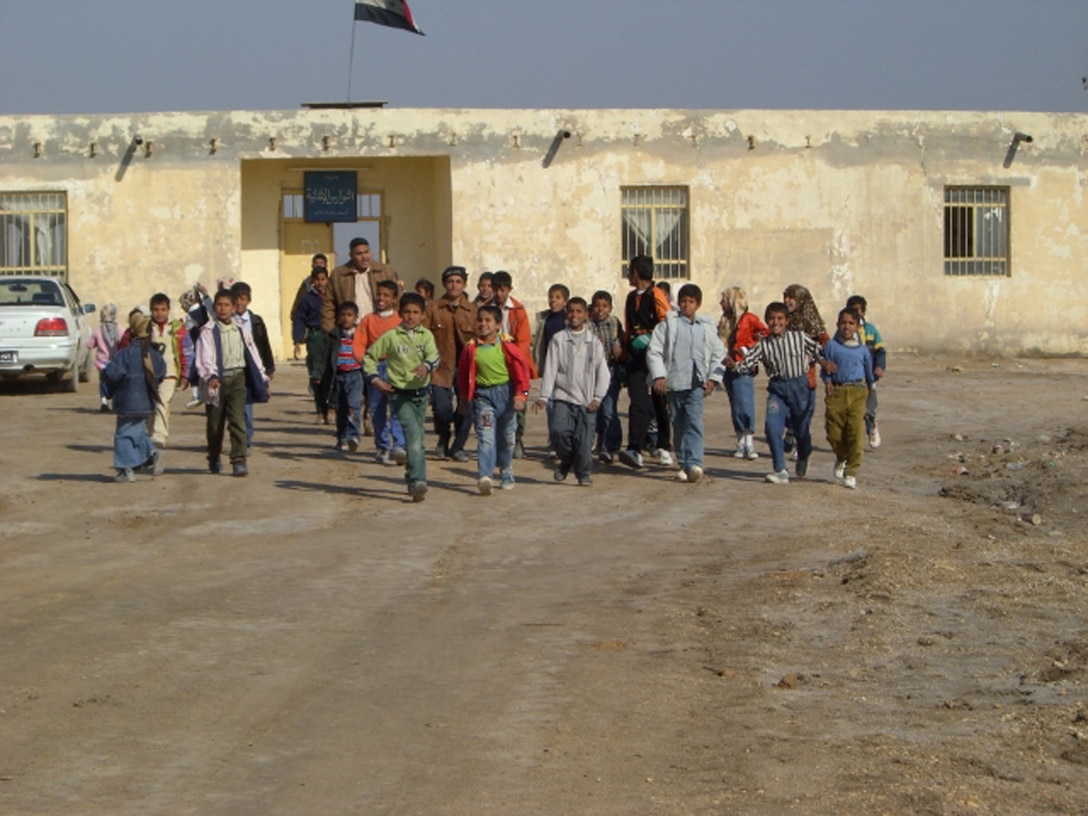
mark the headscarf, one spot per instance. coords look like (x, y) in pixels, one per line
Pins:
(108, 315)
(736, 304)
(139, 329)
(806, 317)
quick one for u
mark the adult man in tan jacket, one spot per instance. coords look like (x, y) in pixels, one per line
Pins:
(452, 320)
(357, 281)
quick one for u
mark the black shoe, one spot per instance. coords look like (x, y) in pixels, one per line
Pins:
(442, 450)
(560, 475)
(214, 464)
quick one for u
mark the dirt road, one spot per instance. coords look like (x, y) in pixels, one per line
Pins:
(306, 640)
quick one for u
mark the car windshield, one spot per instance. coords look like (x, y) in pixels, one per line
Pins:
(30, 293)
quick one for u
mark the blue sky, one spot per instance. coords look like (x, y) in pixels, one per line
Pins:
(116, 56)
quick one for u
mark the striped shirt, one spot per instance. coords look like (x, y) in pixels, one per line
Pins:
(784, 357)
(345, 356)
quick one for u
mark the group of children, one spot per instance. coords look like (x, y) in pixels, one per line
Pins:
(668, 357)
(221, 347)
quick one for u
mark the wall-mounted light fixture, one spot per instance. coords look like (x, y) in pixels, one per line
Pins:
(751, 142)
(1010, 154)
(149, 146)
(271, 142)
(213, 145)
(93, 149)
(37, 150)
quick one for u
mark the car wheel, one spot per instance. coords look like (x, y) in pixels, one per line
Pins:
(85, 372)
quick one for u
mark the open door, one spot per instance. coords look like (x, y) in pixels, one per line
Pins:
(301, 241)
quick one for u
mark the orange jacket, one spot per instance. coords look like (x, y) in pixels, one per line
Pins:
(370, 329)
(521, 331)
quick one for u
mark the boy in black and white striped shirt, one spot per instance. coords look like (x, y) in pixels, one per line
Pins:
(786, 356)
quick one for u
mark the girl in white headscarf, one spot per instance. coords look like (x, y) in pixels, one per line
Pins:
(103, 342)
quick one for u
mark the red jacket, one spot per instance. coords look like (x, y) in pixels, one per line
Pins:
(522, 333)
(749, 331)
(516, 364)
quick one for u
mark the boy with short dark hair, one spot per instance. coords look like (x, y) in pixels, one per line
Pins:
(425, 288)
(231, 374)
(515, 323)
(550, 322)
(576, 380)
(243, 294)
(411, 356)
(388, 434)
(484, 293)
(685, 362)
(870, 337)
(306, 328)
(608, 329)
(786, 356)
(347, 378)
(493, 375)
(173, 342)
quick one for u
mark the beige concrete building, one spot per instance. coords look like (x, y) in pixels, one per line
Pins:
(966, 231)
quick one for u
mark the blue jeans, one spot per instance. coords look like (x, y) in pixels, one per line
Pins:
(348, 389)
(686, 410)
(790, 404)
(496, 427)
(609, 429)
(388, 435)
(741, 389)
(411, 409)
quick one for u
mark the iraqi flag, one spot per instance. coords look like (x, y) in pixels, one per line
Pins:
(392, 13)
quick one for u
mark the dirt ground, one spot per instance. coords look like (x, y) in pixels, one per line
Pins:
(307, 640)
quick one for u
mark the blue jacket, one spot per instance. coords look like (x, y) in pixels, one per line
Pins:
(125, 381)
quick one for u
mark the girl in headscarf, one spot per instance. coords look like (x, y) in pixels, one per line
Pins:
(103, 342)
(132, 378)
(740, 330)
(804, 317)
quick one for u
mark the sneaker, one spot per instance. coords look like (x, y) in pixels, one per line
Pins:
(850, 482)
(353, 444)
(194, 402)
(585, 481)
(384, 457)
(605, 457)
(840, 469)
(750, 453)
(741, 452)
(631, 458)
(484, 485)
(105, 406)
(339, 444)
(695, 473)
(664, 458)
(400, 456)
(125, 475)
(874, 437)
(418, 491)
(779, 477)
(560, 475)
(802, 468)
(460, 456)
(215, 465)
(442, 450)
(507, 482)
(238, 468)
(519, 450)
(157, 463)
(681, 476)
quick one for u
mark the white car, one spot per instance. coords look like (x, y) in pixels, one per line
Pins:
(44, 330)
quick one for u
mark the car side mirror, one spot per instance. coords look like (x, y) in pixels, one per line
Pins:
(89, 308)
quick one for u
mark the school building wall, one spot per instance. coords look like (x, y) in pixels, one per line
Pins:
(841, 201)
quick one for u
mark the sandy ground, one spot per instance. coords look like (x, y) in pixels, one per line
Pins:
(306, 640)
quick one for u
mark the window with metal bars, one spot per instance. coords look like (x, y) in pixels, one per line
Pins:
(976, 231)
(34, 234)
(654, 222)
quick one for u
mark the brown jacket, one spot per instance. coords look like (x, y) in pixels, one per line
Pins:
(453, 325)
(341, 288)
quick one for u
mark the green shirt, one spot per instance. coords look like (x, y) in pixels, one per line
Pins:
(403, 351)
(490, 365)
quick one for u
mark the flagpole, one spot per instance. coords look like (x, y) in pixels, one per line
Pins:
(351, 60)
